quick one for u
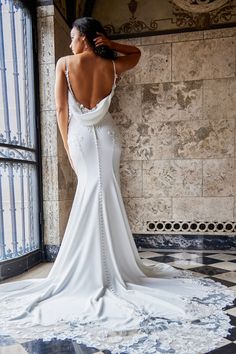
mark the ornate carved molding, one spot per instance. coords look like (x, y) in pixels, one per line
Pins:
(133, 25)
(186, 14)
(200, 6)
(202, 19)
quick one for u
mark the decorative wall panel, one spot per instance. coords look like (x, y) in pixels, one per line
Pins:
(135, 18)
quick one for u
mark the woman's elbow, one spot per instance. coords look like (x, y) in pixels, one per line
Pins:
(60, 109)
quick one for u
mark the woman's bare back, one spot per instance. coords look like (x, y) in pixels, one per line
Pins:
(91, 78)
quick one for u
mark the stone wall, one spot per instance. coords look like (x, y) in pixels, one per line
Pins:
(59, 180)
(176, 111)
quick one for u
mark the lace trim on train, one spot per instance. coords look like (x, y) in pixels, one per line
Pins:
(208, 325)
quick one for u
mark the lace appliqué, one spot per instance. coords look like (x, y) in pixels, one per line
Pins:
(204, 332)
(115, 135)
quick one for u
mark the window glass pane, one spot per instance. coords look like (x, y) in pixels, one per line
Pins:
(17, 76)
(19, 228)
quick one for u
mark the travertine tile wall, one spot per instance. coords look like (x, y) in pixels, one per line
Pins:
(66, 177)
(176, 111)
(59, 180)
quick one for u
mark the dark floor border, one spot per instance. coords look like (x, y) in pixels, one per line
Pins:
(182, 241)
(173, 242)
(19, 265)
(50, 252)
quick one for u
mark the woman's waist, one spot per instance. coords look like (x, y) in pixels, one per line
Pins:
(88, 119)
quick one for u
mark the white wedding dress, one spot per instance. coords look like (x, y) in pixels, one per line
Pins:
(98, 291)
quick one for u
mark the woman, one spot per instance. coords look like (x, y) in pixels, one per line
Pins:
(98, 291)
(91, 76)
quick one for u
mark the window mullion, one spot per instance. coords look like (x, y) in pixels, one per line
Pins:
(4, 84)
(15, 71)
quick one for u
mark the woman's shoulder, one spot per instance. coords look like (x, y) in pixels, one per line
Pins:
(68, 58)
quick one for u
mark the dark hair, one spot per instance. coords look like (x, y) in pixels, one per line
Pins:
(88, 26)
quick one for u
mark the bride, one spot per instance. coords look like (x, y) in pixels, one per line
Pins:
(99, 292)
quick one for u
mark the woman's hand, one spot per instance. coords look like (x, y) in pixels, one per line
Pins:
(102, 40)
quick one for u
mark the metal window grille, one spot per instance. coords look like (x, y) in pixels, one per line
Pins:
(19, 204)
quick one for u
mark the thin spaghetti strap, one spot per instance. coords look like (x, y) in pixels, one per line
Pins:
(115, 75)
(67, 75)
(66, 68)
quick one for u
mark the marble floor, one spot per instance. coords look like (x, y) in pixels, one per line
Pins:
(218, 265)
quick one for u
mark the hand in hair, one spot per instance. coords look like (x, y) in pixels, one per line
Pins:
(102, 40)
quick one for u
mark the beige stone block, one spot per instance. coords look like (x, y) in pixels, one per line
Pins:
(51, 222)
(172, 178)
(46, 49)
(204, 139)
(46, 86)
(162, 140)
(145, 141)
(206, 59)
(171, 37)
(172, 101)
(220, 32)
(203, 209)
(235, 140)
(64, 212)
(43, 11)
(219, 97)
(141, 210)
(50, 177)
(131, 178)
(154, 65)
(67, 180)
(127, 78)
(126, 104)
(48, 125)
(130, 41)
(234, 219)
(186, 36)
(219, 178)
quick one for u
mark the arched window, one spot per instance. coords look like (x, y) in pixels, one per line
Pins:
(19, 185)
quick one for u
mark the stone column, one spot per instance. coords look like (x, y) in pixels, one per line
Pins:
(59, 180)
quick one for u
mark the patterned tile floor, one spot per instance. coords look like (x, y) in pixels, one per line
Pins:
(218, 265)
